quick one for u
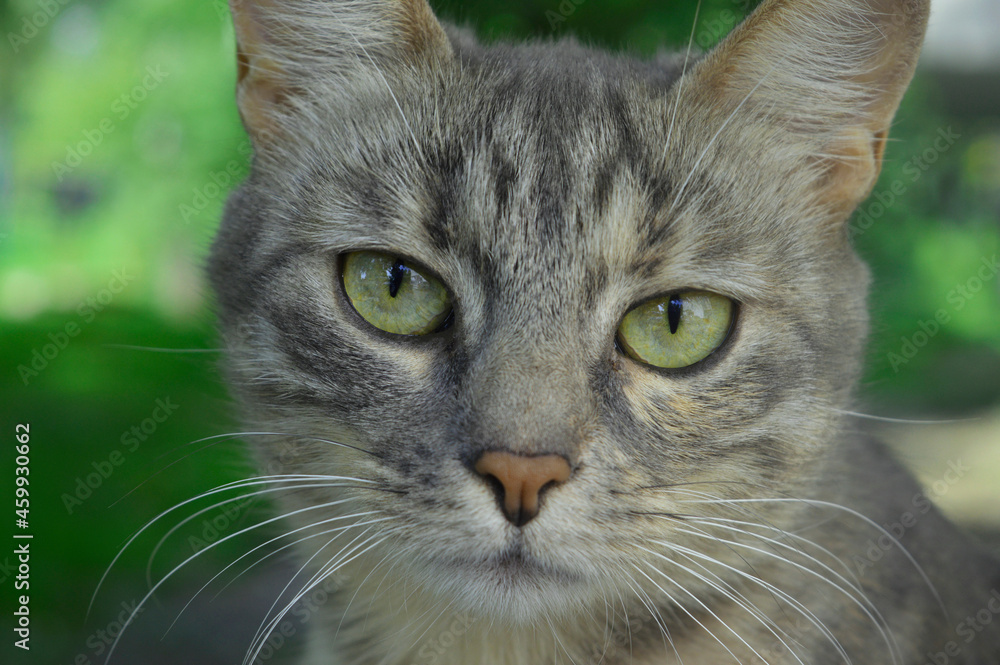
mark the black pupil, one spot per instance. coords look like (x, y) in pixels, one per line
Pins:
(674, 310)
(396, 273)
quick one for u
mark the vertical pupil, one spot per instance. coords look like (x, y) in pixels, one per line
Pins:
(674, 310)
(396, 273)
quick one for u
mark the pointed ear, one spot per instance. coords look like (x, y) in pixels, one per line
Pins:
(828, 73)
(286, 48)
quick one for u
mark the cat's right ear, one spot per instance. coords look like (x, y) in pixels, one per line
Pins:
(826, 76)
(288, 48)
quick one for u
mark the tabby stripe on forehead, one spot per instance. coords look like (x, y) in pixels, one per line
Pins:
(504, 174)
(603, 184)
(655, 229)
(447, 176)
(551, 191)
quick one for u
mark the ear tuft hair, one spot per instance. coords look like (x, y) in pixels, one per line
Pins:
(830, 73)
(287, 47)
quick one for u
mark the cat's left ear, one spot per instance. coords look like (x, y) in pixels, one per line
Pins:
(826, 78)
(287, 48)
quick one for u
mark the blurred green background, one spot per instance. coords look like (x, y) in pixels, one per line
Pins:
(119, 140)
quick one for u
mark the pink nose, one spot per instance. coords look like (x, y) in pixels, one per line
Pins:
(522, 479)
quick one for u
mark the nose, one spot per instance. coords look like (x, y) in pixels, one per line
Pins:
(522, 479)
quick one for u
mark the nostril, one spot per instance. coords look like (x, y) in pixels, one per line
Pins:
(495, 485)
(519, 480)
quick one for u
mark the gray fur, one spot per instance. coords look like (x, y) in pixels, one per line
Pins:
(552, 188)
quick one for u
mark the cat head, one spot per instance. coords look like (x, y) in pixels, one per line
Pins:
(558, 206)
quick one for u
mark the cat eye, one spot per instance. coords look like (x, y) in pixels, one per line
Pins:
(676, 330)
(393, 295)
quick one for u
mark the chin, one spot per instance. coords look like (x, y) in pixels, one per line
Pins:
(511, 587)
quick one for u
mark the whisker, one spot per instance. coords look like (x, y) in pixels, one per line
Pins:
(388, 87)
(692, 616)
(301, 540)
(398, 554)
(558, 642)
(866, 606)
(625, 618)
(324, 572)
(274, 552)
(430, 624)
(720, 521)
(718, 133)
(736, 553)
(650, 606)
(155, 349)
(801, 608)
(263, 630)
(357, 590)
(239, 484)
(680, 81)
(905, 421)
(864, 603)
(854, 513)
(741, 600)
(781, 532)
(677, 486)
(186, 520)
(608, 623)
(170, 574)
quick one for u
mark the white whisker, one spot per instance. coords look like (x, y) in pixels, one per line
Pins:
(263, 630)
(692, 616)
(711, 142)
(866, 606)
(740, 600)
(378, 70)
(801, 608)
(239, 484)
(854, 513)
(325, 571)
(214, 506)
(155, 349)
(905, 421)
(720, 522)
(218, 438)
(680, 82)
(650, 606)
(274, 552)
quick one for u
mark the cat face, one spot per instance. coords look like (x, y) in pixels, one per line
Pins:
(550, 190)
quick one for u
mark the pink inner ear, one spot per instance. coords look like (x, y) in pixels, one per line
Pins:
(422, 33)
(878, 147)
(854, 166)
(259, 92)
(260, 95)
(242, 66)
(836, 104)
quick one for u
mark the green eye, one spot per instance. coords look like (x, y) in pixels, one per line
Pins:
(393, 296)
(677, 330)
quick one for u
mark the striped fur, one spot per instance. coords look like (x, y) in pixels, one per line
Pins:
(714, 513)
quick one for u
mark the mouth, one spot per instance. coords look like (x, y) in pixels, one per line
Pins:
(516, 561)
(512, 572)
(513, 586)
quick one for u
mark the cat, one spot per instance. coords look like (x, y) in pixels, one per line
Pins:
(556, 346)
